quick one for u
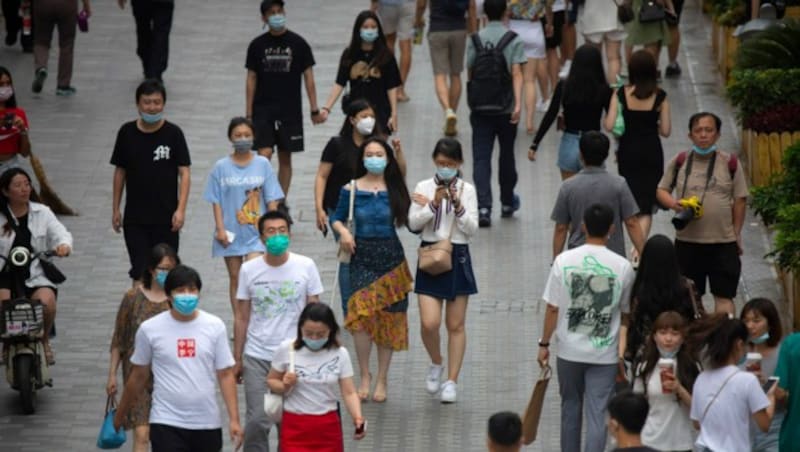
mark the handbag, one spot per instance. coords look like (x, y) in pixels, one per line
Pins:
(343, 255)
(619, 122)
(109, 437)
(437, 258)
(651, 12)
(530, 420)
(273, 403)
(625, 11)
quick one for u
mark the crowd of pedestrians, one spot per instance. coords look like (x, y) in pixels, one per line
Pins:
(616, 319)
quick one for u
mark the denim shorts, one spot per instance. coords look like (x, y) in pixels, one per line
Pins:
(568, 153)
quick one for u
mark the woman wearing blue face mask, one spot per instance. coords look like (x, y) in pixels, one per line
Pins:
(241, 187)
(725, 399)
(445, 206)
(766, 333)
(665, 377)
(379, 275)
(309, 371)
(138, 305)
(370, 68)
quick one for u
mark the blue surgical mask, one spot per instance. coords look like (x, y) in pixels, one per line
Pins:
(277, 244)
(446, 173)
(315, 344)
(151, 118)
(242, 146)
(760, 339)
(375, 165)
(667, 354)
(369, 34)
(742, 360)
(701, 151)
(277, 22)
(161, 277)
(185, 303)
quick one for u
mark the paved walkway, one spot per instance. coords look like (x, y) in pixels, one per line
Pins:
(205, 81)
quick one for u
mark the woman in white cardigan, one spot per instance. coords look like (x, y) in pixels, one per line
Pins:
(445, 206)
(36, 227)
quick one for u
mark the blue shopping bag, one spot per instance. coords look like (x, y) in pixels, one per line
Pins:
(109, 438)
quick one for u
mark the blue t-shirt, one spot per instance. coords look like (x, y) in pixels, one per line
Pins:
(243, 193)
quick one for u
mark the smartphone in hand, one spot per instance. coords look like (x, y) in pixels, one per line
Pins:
(771, 381)
(361, 428)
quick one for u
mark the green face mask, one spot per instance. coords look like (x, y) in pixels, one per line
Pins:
(277, 244)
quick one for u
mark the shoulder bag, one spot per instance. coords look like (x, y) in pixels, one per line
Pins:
(624, 11)
(437, 258)
(273, 403)
(651, 12)
(343, 255)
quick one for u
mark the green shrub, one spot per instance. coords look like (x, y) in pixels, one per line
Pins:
(777, 47)
(752, 91)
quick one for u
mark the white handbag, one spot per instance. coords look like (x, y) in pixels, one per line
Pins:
(273, 403)
(342, 255)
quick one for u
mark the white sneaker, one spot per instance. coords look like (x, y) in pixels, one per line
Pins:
(564, 72)
(450, 120)
(448, 392)
(543, 106)
(432, 382)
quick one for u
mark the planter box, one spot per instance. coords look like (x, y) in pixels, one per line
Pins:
(706, 6)
(715, 37)
(793, 11)
(728, 52)
(791, 290)
(762, 153)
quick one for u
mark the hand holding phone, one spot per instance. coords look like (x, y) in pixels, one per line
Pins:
(361, 430)
(771, 381)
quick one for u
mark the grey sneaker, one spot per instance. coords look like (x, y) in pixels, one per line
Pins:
(66, 91)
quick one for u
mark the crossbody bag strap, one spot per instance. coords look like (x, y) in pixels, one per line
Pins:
(713, 399)
(353, 189)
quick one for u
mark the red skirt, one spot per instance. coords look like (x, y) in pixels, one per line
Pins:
(311, 433)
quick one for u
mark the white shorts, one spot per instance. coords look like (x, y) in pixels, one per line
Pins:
(398, 19)
(532, 35)
(613, 35)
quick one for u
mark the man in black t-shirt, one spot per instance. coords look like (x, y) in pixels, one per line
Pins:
(151, 161)
(276, 62)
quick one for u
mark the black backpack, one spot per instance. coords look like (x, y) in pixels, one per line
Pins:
(489, 89)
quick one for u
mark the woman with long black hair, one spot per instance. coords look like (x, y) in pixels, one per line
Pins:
(581, 98)
(379, 275)
(370, 69)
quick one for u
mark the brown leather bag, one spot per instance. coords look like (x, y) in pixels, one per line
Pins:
(437, 258)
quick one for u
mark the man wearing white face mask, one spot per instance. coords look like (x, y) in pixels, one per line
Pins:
(276, 63)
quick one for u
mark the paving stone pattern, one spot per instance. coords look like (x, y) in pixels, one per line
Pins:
(205, 82)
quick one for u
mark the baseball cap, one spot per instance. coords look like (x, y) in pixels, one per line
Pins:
(267, 3)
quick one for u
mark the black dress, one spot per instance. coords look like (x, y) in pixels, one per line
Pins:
(640, 157)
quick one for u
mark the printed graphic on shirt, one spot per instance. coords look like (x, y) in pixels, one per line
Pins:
(362, 70)
(161, 153)
(274, 299)
(593, 292)
(277, 59)
(186, 348)
(319, 374)
(251, 209)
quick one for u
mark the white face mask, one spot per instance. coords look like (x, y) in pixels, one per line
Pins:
(365, 125)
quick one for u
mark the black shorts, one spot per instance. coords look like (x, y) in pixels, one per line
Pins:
(140, 240)
(166, 438)
(719, 262)
(572, 13)
(270, 132)
(558, 25)
(678, 5)
(6, 283)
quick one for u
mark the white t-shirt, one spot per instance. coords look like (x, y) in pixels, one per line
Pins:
(184, 358)
(277, 296)
(590, 285)
(668, 426)
(726, 426)
(318, 374)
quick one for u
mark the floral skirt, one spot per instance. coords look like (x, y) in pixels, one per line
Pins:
(380, 281)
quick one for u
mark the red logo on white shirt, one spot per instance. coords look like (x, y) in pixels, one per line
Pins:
(186, 348)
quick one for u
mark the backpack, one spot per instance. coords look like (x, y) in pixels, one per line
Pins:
(733, 165)
(489, 89)
(455, 7)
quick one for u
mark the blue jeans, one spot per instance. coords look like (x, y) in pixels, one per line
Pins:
(485, 128)
(589, 386)
(344, 274)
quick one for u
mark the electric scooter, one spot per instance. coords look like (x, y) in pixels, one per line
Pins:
(22, 331)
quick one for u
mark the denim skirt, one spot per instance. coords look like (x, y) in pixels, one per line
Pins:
(458, 281)
(568, 153)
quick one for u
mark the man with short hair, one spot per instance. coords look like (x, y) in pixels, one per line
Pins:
(276, 63)
(505, 432)
(588, 300)
(450, 22)
(710, 245)
(500, 124)
(186, 349)
(627, 413)
(272, 292)
(594, 184)
(151, 164)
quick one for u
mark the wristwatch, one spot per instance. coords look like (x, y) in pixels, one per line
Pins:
(543, 344)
